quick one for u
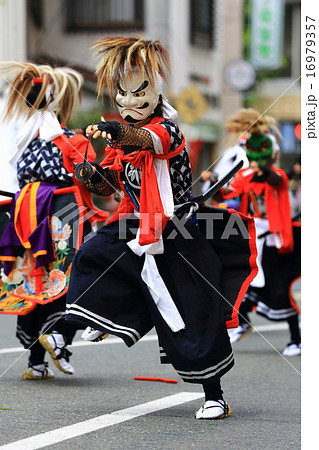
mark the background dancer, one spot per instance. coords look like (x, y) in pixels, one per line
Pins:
(263, 192)
(37, 244)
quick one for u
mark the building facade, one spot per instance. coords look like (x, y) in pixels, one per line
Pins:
(201, 36)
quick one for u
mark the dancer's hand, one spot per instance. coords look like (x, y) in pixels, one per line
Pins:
(255, 166)
(94, 132)
(108, 130)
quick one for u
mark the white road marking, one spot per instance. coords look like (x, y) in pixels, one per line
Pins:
(116, 340)
(108, 341)
(107, 420)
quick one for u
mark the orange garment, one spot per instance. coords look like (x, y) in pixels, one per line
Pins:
(73, 151)
(152, 216)
(276, 201)
(25, 213)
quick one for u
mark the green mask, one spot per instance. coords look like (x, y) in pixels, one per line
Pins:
(259, 149)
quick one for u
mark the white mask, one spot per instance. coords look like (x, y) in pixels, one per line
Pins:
(135, 98)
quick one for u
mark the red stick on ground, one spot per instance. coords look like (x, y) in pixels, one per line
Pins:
(164, 380)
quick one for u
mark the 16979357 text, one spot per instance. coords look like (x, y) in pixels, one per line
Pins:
(310, 73)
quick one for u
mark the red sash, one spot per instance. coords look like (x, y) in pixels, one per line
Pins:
(152, 216)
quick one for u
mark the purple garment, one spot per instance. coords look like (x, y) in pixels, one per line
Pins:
(40, 238)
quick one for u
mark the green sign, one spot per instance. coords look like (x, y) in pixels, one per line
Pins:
(266, 33)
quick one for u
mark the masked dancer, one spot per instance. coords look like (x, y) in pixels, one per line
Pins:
(140, 270)
(263, 192)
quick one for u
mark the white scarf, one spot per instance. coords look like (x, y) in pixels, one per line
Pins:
(155, 283)
(150, 274)
(43, 122)
(168, 111)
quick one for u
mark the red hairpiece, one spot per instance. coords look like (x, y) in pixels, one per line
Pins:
(36, 81)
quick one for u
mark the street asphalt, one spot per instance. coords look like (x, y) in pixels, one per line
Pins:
(263, 390)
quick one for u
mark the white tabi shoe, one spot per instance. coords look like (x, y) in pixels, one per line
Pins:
(38, 372)
(89, 334)
(292, 350)
(213, 410)
(240, 332)
(54, 344)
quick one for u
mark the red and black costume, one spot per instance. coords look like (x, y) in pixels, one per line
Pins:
(265, 197)
(107, 291)
(150, 266)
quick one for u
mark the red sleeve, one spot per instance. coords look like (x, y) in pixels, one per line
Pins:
(283, 175)
(73, 150)
(77, 149)
(236, 187)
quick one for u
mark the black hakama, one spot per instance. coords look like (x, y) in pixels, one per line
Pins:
(107, 293)
(275, 300)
